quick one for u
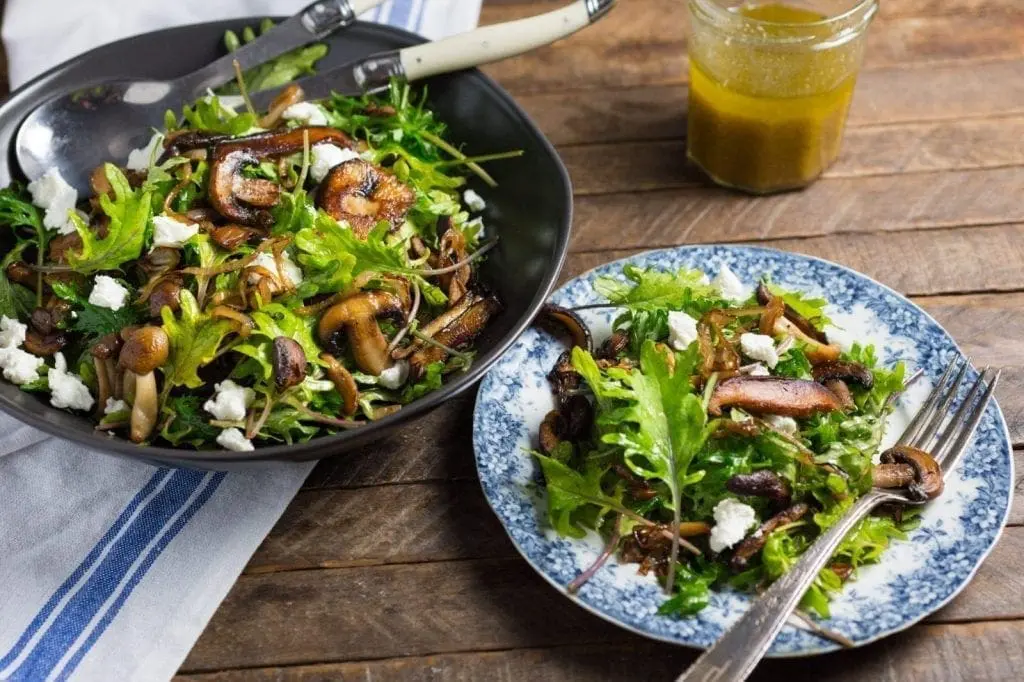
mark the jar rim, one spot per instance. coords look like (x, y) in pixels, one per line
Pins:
(845, 25)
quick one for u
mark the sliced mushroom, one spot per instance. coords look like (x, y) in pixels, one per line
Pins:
(928, 483)
(846, 371)
(20, 272)
(563, 377)
(45, 345)
(177, 144)
(563, 319)
(452, 250)
(816, 351)
(292, 94)
(460, 332)
(762, 483)
(773, 395)
(842, 391)
(765, 298)
(755, 541)
(892, 475)
(357, 317)
(614, 345)
(343, 382)
(361, 194)
(548, 433)
(230, 237)
(166, 294)
(289, 362)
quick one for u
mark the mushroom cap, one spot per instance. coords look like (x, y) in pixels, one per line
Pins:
(571, 322)
(928, 482)
(289, 362)
(846, 371)
(773, 395)
(145, 350)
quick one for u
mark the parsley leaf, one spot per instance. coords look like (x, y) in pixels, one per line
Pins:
(129, 212)
(195, 339)
(94, 321)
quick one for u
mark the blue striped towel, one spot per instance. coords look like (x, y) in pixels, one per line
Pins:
(110, 569)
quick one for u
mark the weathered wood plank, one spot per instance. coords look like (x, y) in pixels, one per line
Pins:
(646, 45)
(917, 263)
(872, 150)
(417, 609)
(830, 206)
(886, 96)
(979, 652)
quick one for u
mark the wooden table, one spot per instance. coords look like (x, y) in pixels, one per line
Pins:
(389, 565)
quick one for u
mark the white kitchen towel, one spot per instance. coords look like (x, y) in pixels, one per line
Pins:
(110, 569)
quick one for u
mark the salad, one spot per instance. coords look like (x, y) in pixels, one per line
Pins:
(251, 277)
(717, 433)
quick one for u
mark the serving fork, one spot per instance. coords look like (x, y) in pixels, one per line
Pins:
(936, 429)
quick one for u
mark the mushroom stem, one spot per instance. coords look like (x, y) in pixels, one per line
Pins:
(103, 386)
(145, 407)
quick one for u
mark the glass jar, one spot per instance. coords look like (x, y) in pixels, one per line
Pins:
(770, 86)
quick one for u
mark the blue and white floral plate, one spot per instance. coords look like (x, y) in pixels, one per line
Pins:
(915, 577)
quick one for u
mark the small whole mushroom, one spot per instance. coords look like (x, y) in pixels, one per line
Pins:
(357, 316)
(145, 349)
(289, 362)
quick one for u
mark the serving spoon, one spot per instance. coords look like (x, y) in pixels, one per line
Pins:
(116, 116)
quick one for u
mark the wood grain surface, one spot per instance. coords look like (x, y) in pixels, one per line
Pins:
(389, 565)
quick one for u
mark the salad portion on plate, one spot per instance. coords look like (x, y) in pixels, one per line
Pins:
(250, 278)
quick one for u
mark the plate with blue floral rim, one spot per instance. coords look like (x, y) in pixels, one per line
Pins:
(915, 577)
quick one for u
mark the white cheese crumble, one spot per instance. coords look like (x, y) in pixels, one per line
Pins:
(759, 347)
(230, 401)
(326, 156)
(394, 376)
(67, 391)
(53, 194)
(233, 439)
(305, 112)
(474, 201)
(730, 286)
(114, 405)
(682, 330)
(783, 424)
(107, 292)
(172, 233)
(139, 159)
(732, 520)
(759, 370)
(19, 367)
(267, 261)
(12, 332)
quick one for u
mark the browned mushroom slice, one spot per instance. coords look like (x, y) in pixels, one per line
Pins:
(765, 297)
(928, 483)
(292, 94)
(278, 143)
(773, 395)
(166, 294)
(359, 193)
(458, 333)
(289, 363)
(842, 391)
(563, 376)
(343, 382)
(230, 237)
(846, 371)
(761, 483)
(557, 318)
(452, 250)
(186, 141)
(547, 435)
(614, 345)
(892, 475)
(357, 317)
(755, 541)
(45, 345)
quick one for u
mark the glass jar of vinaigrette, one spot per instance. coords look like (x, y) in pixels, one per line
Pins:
(770, 86)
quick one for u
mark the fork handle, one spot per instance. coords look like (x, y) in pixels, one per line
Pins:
(734, 656)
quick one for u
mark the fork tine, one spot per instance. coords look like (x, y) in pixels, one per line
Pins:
(929, 406)
(923, 439)
(966, 419)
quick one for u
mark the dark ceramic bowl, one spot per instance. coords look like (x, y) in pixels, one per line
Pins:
(531, 210)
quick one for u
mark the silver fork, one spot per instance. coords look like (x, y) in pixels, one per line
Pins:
(733, 657)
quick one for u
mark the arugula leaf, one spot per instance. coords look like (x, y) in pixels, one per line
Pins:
(794, 363)
(187, 424)
(275, 72)
(813, 309)
(287, 424)
(273, 320)
(569, 491)
(93, 321)
(129, 212)
(693, 583)
(431, 381)
(194, 339)
(686, 290)
(294, 213)
(209, 115)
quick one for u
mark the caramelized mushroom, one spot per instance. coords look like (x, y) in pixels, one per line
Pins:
(343, 382)
(845, 371)
(755, 541)
(166, 294)
(892, 475)
(452, 250)
(563, 319)
(177, 144)
(458, 333)
(765, 298)
(613, 345)
(563, 376)
(292, 94)
(359, 193)
(773, 395)
(761, 483)
(928, 483)
(144, 350)
(548, 433)
(230, 237)
(357, 317)
(289, 361)
(20, 272)
(842, 391)
(145, 406)
(45, 345)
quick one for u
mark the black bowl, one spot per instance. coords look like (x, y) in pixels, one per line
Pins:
(531, 210)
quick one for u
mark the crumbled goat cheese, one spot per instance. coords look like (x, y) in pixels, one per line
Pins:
(783, 424)
(67, 391)
(395, 375)
(732, 520)
(759, 347)
(138, 159)
(233, 439)
(20, 367)
(730, 286)
(52, 193)
(230, 401)
(474, 201)
(682, 330)
(325, 157)
(107, 292)
(305, 112)
(759, 370)
(267, 261)
(12, 332)
(172, 233)
(114, 405)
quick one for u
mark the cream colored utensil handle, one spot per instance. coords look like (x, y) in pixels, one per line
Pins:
(499, 41)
